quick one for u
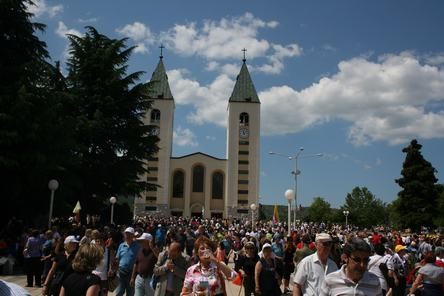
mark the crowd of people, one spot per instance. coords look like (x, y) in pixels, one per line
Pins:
(178, 256)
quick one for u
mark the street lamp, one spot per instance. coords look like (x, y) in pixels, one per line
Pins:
(52, 185)
(296, 172)
(112, 200)
(289, 195)
(346, 215)
(253, 208)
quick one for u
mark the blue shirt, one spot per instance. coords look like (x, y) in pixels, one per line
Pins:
(34, 247)
(126, 255)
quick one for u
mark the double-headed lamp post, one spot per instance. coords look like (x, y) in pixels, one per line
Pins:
(295, 172)
(52, 185)
(289, 195)
(253, 208)
(346, 213)
(112, 200)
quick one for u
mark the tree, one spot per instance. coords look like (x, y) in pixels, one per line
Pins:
(112, 141)
(32, 130)
(418, 198)
(439, 219)
(319, 210)
(365, 209)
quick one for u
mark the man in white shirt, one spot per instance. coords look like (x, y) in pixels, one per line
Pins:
(353, 278)
(313, 268)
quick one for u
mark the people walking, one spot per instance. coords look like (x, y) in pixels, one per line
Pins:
(126, 257)
(142, 272)
(32, 259)
(312, 270)
(170, 270)
(245, 265)
(353, 278)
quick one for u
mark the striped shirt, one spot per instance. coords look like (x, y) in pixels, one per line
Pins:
(337, 283)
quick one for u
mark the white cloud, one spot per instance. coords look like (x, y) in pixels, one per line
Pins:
(141, 48)
(89, 20)
(41, 8)
(211, 138)
(436, 60)
(184, 137)
(140, 33)
(209, 101)
(383, 101)
(62, 30)
(224, 39)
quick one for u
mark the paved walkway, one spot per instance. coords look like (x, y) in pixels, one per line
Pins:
(232, 290)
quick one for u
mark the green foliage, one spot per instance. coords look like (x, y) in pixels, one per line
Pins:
(86, 130)
(112, 140)
(319, 210)
(439, 219)
(365, 209)
(31, 125)
(418, 199)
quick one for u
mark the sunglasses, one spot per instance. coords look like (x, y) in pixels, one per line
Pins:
(249, 248)
(360, 260)
(326, 244)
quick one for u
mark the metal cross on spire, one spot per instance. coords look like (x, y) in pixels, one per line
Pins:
(244, 59)
(161, 50)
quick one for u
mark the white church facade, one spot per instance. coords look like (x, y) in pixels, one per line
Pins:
(199, 184)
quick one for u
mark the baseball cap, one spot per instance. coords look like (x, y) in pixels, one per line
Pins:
(399, 248)
(71, 239)
(145, 236)
(129, 230)
(323, 237)
(266, 245)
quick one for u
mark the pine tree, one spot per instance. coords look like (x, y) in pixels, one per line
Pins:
(112, 140)
(31, 129)
(417, 205)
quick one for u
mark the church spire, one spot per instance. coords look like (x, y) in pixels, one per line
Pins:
(160, 88)
(244, 90)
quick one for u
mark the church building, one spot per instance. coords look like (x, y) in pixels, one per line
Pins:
(199, 184)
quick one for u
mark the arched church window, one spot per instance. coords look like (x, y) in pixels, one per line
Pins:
(155, 116)
(198, 178)
(244, 119)
(217, 185)
(178, 184)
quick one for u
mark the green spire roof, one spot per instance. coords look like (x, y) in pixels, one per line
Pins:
(160, 88)
(244, 90)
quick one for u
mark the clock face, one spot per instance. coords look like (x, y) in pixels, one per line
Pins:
(244, 132)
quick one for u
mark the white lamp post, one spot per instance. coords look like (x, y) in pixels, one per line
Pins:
(112, 200)
(289, 195)
(52, 185)
(346, 215)
(253, 208)
(296, 172)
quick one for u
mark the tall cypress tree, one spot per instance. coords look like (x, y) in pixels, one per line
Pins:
(31, 127)
(417, 204)
(112, 141)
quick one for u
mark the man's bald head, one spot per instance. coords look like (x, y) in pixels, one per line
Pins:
(174, 250)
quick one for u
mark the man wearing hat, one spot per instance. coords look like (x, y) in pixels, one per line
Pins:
(312, 270)
(143, 267)
(398, 270)
(126, 256)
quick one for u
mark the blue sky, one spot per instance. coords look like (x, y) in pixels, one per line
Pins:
(354, 80)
